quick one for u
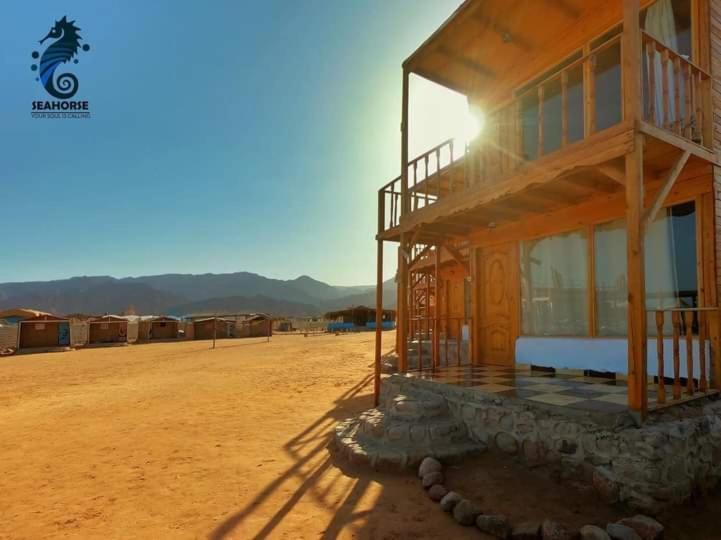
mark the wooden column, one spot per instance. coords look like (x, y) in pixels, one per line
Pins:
(379, 304)
(633, 110)
(436, 310)
(405, 199)
(402, 308)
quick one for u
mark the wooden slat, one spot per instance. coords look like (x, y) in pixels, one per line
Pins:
(651, 59)
(661, 391)
(688, 326)
(702, 381)
(677, 95)
(665, 96)
(676, 323)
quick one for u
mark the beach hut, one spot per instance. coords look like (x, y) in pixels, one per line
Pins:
(162, 328)
(107, 329)
(204, 328)
(43, 332)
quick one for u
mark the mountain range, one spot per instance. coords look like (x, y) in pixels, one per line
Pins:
(184, 294)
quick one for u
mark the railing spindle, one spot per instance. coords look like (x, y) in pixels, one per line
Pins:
(651, 62)
(687, 127)
(675, 321)
(699, 108)
(702, 380)
(661, 393)
(664, 85)
(458, 343)
(688, 324)
(564, 109)
(677, 94)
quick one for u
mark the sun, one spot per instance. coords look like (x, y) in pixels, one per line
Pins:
(437, 114)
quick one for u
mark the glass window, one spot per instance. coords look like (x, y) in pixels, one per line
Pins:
(607, 80)
(574, 97)
(554, 285)
(670, 259)
(552, 116)
(529, 125)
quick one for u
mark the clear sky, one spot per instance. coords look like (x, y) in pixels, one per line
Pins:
(225, 136)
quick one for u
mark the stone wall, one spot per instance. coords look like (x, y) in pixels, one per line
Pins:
(649, 467)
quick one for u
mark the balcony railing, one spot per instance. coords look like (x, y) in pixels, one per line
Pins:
(675, 90)
(583, 98)
(697, 377)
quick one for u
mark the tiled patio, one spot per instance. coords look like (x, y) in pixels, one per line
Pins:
(572, 389)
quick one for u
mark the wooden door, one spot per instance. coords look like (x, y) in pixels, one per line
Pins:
(499, 290)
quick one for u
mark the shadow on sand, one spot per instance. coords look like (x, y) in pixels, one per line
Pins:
(309, 449)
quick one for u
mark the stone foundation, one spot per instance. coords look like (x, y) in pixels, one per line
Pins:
(661, 463)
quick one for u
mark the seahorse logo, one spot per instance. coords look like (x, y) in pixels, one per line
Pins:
(62, 50)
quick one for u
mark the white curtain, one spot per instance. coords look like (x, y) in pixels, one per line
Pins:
(660, 23)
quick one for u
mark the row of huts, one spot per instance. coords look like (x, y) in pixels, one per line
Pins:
(24, 329)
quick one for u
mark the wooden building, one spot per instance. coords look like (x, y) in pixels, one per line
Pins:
(160, 328)
(582, 222)
(358, 318)
(255, 325)
(212, 327)
(43, 332)
(107, 329)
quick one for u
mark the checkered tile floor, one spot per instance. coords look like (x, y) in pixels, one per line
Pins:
(568, 389)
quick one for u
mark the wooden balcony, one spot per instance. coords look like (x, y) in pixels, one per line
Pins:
(558, 142)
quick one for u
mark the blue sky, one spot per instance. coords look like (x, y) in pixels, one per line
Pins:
(226, 136)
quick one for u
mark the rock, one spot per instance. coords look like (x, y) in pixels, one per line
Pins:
(605, 485)
(646, 527)
(506, 442)
(620, 532)
(429, 465)
(450, 500)
(466, 512)
(553, 530)
(591, 532)
(495, 525)
(526, 531)
(437, 492)
(431, 479)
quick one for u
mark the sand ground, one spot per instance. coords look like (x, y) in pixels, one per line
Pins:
(176, 440)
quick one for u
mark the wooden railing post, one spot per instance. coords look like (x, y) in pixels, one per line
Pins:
(702, 380)
(714, 333)
(661, 393)
(379, 301)
(688, 327)
(676, 323)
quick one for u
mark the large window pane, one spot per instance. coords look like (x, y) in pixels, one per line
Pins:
(554, 285)
(575, 104)
(607, 76)
(610, 274)
(670, 259)
(529, 125)
(552, 116)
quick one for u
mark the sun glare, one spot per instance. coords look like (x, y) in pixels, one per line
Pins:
(438, 114)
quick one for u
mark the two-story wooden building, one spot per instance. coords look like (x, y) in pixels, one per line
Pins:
(579, 229)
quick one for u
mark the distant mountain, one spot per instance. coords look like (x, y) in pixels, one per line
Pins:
(189, 293)
(245, 304)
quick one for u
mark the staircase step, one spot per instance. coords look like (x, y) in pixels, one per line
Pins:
(381, 425)
(387, 453)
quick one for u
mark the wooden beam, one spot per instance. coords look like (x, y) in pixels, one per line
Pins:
(402, 309)
(679, 142)
(458, 257)
(673, 174)
(614, 172)
(635, 271)
(405, 199)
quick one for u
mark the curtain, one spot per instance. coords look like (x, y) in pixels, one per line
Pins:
(660, 23)
(554, 285)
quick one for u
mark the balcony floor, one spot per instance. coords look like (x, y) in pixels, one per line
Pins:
(568, 390)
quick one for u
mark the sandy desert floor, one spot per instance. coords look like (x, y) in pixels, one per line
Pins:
(176, 440)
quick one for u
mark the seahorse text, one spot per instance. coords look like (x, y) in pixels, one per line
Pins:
(60, 106)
